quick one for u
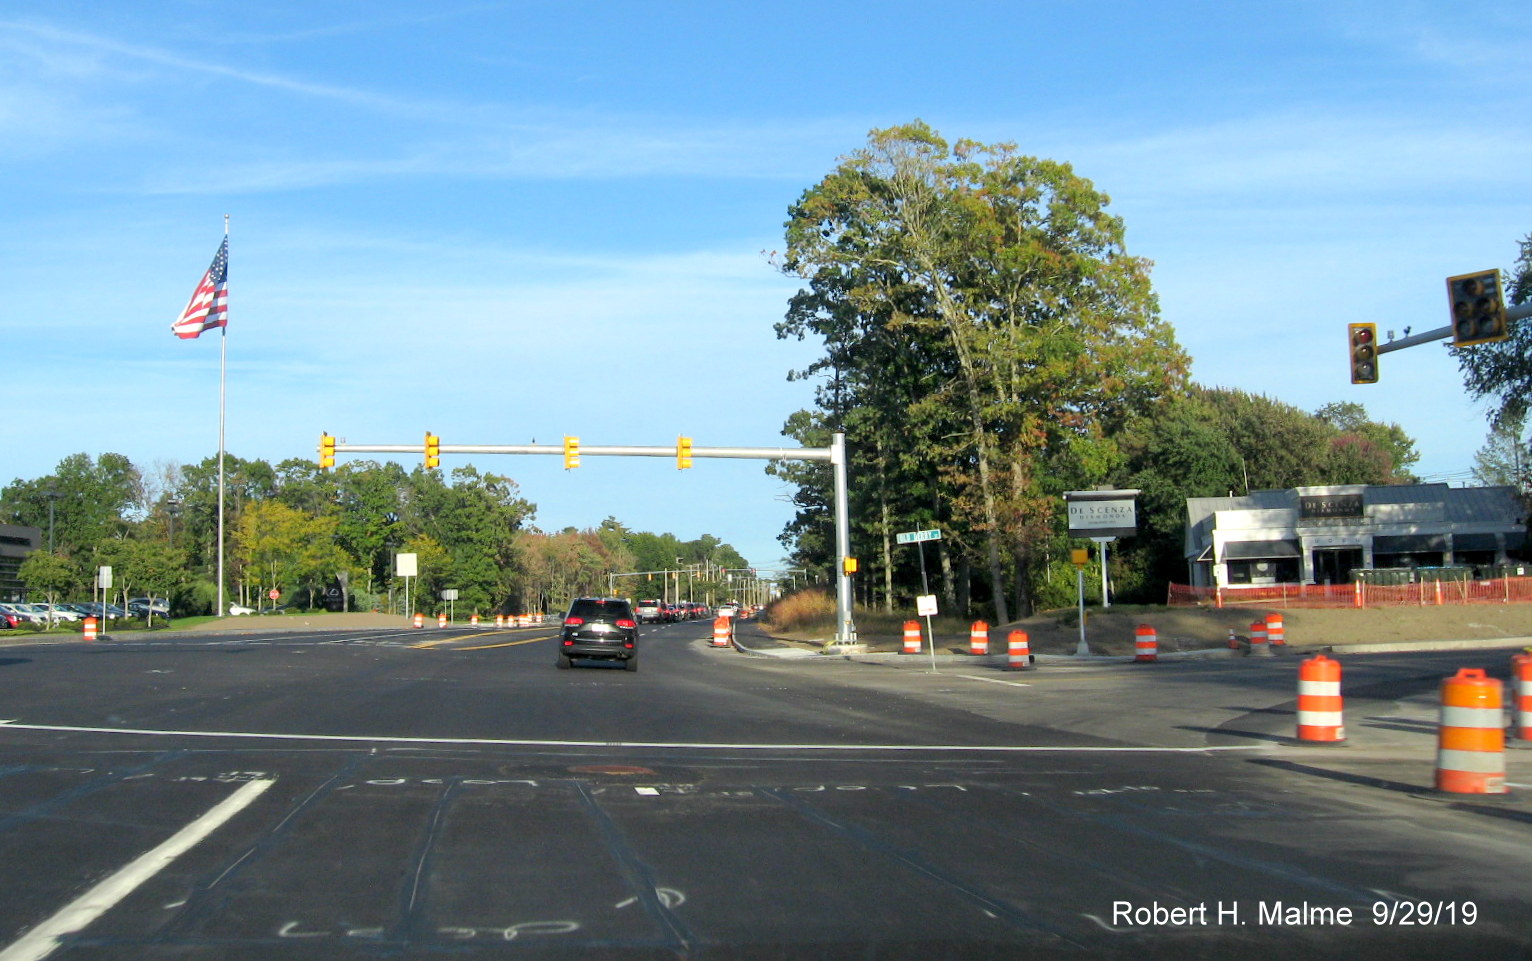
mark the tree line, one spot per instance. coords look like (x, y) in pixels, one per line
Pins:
(297, 529)
(989, 343)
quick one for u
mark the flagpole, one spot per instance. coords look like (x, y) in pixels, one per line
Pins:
(223, 356)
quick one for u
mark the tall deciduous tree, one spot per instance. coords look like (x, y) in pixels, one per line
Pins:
(1026, 331)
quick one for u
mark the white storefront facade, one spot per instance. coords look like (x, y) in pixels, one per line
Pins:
(1320, 535)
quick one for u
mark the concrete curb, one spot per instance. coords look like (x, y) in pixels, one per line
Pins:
(1094, 660)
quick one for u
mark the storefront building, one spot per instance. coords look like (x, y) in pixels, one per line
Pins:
(15, 544)
(1321, 535)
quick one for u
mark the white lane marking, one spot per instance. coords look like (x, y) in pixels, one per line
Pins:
(991, 680)
(44, 939)
(653, 745)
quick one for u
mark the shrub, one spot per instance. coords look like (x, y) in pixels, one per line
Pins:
(803, 610)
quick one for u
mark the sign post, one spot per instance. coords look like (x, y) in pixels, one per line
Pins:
(925, 604)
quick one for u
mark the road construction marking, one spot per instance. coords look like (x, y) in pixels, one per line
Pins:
(44, 939)
(649, 745)
(991, 680)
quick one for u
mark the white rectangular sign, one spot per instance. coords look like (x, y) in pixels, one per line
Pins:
(925, 605)
(104, 577)
(405, 565)
(1088, 516)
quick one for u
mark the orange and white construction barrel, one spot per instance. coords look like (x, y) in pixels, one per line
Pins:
(1321, 714)
(1258, 645)
(978, 639)
(1146, 645)
(1470, 755)
(441, 620)
(1521, 696)
(1018, 651)
(911, 637)
(420, 620)
(500, 620)
(1276, 632)
(721, 629)
(473, 621)
(89, 628)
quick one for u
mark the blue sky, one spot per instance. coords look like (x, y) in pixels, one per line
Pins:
(442, 212)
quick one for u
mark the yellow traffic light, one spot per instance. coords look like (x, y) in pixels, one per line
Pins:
(326, 451)
(848, 566)
(1364, 353)
(683, 453)
(1478, 309)
(571, 453)
(433, 450)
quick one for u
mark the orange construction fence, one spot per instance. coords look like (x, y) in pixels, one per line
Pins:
(1425, 593)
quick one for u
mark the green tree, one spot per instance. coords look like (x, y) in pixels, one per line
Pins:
(49, 576)
(1504, 460)
(1036, 333)
(87, 500)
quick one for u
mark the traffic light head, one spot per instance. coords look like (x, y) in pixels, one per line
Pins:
(433, 450)
(571, 453)
(683, 453)
(1478, 310)
(1364, 353)
(326, 451)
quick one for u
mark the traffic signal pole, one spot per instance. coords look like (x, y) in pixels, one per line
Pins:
(835, 454)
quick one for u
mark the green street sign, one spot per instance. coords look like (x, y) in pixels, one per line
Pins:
(912, 537)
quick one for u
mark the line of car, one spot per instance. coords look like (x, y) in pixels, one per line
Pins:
(14, 614)
(663, 612)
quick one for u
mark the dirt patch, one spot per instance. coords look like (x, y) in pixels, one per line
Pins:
(303, 622)
(1189, 629)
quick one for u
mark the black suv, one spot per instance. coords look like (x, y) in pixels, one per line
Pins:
(603, 628)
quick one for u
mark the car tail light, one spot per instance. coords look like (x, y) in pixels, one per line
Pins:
(626, 624)
(573, 621)
(569, 642)
(628, 644)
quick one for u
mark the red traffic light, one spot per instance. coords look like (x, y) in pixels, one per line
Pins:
(1364, 353)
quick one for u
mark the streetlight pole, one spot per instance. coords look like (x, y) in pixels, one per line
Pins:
(53, 497)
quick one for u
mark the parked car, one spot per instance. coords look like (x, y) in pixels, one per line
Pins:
(142, 606)
(8, 620)
(24, 614)
(600, 628)
(111, 611)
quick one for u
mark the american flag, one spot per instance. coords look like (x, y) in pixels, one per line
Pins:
(209, 305)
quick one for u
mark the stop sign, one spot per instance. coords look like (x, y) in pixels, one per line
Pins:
(273, 593)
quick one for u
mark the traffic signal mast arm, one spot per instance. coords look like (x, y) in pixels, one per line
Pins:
(1520, 312)
(593, 450)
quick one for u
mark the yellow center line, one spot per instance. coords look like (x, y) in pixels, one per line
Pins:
(423, 645)
(488, 647)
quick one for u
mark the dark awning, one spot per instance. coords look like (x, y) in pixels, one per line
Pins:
(1473, 542)
(1259, 550)
(1409, 543)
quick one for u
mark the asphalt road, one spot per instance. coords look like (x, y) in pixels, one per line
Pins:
(395, 793)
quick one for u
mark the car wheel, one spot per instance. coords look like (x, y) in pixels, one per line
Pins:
(564, 662)
(631, 664)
